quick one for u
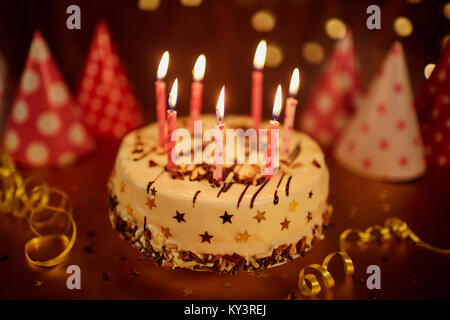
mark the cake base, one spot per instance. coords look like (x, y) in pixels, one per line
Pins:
(170, 257)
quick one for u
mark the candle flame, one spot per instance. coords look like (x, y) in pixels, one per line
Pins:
(260, 55)
(277, 103)
(295, 82)
(173, 95)
(163, 66)
(199, 68)
(220, 108)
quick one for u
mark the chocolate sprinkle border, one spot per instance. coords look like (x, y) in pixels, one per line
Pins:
(219, 263)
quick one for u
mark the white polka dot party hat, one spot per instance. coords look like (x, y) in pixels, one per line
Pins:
(42, 129)
(335, 95)
(383, 140)
(108, 104)
(433, 105)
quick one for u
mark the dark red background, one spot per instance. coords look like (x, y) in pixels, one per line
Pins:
(222, 30)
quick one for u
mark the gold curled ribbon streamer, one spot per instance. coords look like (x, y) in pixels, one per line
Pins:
(314, 286)
(392, 227)
(22, 199)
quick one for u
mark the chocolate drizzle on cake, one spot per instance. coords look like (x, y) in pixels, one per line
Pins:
(316, 163)
(143, 155)
(138, 144)
(287, 186)
(226, 186)
(195, 198)
(294, 154)
(252, 202)
(149, 185)
(276, 199)
(242, 195)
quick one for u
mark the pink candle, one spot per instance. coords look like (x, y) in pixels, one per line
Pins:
(257, 83)
(271, 166)
(160, 86)
(289, 115)
(171, 126)
(197, 90)
(218, 151)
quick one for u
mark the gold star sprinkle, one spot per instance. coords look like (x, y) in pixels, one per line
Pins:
(285, 224)
(134, 273)
(260, 216)
(122, 186)
(262, 275)
(293, 205)
(166, 232)
(383, 195)
(244, 236)
(353, 211)
(151, 203)
(38, 283)
(188, 291)
(129, 210)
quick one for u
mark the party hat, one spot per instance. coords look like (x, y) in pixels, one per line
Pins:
(436, 133)
(3, 85)
(437, 85)
(108, 105)
(42, 130)
(433, 104)
(383, 140)
(335, 95)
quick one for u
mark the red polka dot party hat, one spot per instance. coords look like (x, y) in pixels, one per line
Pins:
(3, 86)
(42, 129)
(383, 140)
(108, 103)
(433, 105)
(335, 95)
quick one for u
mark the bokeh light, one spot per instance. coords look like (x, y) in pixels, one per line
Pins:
(149, 5)
(429, 70)
(191, 3)
(447, 10)
(263, 21)
(403, 26)
(413, 1)
(274, 55)
(313, 52)
(335, 28)
(445, 40)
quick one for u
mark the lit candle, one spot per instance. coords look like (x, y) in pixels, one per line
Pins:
(161, 106)
(257, 83)
(197, 89)
(272, 139)
(171, 125)
(289, 115)
(218, 151)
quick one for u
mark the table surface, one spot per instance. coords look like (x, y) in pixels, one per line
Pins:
(112, 269)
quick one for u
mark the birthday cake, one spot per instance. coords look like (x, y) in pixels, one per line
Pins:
(182, 218)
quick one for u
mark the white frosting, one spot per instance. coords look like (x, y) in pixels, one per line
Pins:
(130, 179)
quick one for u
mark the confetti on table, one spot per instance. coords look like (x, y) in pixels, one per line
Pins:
(187, 291)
